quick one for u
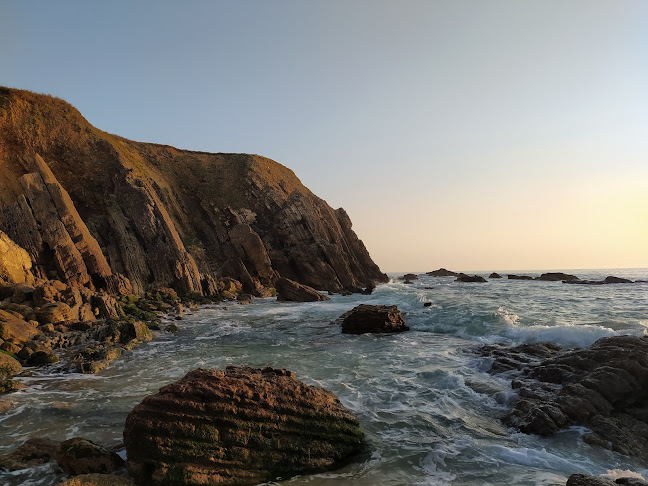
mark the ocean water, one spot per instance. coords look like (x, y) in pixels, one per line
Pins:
(428, 407)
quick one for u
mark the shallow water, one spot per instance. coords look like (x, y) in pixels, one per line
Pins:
(429, 409)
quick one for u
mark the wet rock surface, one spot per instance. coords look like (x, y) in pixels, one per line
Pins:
(373, 319)
(33, 452)
(81, 456)
(238, 426)
(604, 387)
(581, 479)
(289, 290)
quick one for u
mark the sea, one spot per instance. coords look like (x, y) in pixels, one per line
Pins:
(429, 408)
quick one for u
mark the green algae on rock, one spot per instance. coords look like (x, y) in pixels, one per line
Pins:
(238, 426)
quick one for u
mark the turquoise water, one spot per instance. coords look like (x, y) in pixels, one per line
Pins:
(428, 407)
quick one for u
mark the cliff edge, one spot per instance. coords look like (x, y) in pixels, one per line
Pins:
(97, 210)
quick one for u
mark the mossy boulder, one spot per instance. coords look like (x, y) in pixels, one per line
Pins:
(9, 365)
(236, 427)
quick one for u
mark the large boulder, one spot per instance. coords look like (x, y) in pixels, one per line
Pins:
(15, 264)
(54, 313)
(15, 329)
(9, 366)
(289, 290)
(470, 278)
(81, 456)
(238, 426)
(604, 387)
(373, 319)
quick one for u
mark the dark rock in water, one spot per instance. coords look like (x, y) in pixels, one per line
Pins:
(81, 456)
(42, 358)
(608, 280)
(288, 290)
(612, 280)
(373, 319)
(470, 278)
(408, 276)
(557, 277)
(442, 272)
(33, 452)
(409, 282)
(494, 275)
(519, 277)
(238, 426)
(581, 479)
(427, 304)
(604, 387)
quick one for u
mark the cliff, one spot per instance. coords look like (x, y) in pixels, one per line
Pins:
(97, 210)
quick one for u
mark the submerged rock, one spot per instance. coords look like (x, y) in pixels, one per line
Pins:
(470, 278)
(81, 456)
(604, 387)
(557, 277)
(289, 290)
(33, 452)
(373, 319)
(238, 426)
(519, 277)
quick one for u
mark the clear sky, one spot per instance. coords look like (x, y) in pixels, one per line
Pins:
(470, 134)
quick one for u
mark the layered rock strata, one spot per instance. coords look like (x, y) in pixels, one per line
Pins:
(238, 426)
(604, 387)
(289, 290)
(103, 212)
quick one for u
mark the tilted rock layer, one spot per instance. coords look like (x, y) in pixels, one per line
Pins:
(238, 426)
(604, 387)
(97, 210)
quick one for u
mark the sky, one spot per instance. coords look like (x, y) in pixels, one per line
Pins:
(466, 134)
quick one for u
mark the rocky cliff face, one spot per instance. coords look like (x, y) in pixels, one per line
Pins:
(96, 210)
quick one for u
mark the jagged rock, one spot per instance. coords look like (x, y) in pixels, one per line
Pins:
(373, 319)
(408, 276)
(519, 277)
(97, 480)
(81, 456)
(10, 348)
(604, 387)
(470, 278)
(22, 294)
(289, 290)
(15, 264)
(15, 329)
(9, 366)
(54, 313)
(26, 312)
(556, 277)
(238, 426)
(163, 217)
(135, 331)
(33, 452)
(494, 275)
(49, 291)
(107, 306)
(442, 272)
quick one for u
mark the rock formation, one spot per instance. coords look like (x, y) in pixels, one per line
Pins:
(373, 319)
(494, 275)
(604, 387)
(580, 479)
(81, 456)
(238, 426)
(519, 277)
(470, 278)
(102, 212)
(289, 290)
(557, 277)
(442, 272)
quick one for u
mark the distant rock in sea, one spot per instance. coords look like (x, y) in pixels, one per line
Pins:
(519, 277)
(442, 272)
(408, 276)
(470, 278)
(606, 281)
(494, 275)
(557, 277)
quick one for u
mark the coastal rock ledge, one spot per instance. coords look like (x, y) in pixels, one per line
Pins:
(238, 426)
(373, 319)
